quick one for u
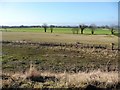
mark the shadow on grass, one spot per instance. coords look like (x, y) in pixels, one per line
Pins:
(116, 34)
(92, 34)
(42, 78)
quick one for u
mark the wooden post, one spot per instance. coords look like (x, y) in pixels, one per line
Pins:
(112, 46)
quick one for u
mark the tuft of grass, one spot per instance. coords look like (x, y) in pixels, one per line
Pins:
(32, 72)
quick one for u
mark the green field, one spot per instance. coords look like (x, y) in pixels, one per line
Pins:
(58, 30)
(62, 35)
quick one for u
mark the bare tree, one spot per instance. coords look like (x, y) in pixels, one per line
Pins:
(93, 27)
(51, 28)
(112, 29)
(82, 27)
(45, 27)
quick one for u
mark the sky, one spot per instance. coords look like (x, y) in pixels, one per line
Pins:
(58, 13)
(59, 0)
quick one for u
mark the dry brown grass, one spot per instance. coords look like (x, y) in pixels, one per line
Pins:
(63, 38)
(71, 80)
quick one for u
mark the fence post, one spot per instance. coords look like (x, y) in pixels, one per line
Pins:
(112, 46)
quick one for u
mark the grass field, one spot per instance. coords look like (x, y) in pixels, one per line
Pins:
(59, 38)
(17, 57)
(59, 66)
(98, 31)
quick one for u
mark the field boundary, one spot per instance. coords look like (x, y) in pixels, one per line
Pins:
(76, 45)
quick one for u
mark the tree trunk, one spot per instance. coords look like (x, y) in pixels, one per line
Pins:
(51, 30)
(92, 31)
(81, 31)
(45, 29)
(112, 32)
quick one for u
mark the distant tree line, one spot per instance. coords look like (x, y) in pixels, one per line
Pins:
(37, 26)
(75, 29)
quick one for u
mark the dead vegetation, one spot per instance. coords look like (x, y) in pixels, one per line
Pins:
(38, 79)
(58, 58)
(59, 67)
(60, 38)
